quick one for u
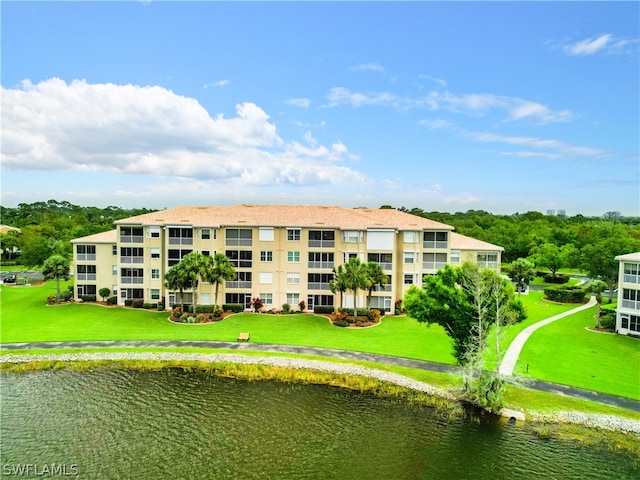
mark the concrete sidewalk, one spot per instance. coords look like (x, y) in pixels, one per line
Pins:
(513, 352)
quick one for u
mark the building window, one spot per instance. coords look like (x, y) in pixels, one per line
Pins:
(205, 299)
(433, 261)
(266, 256)
(155, 273)
(630, 322)
(86, 253)
(206, 253)
(319, 301)
(265, 277)
(409, 257)
(385, 260)
(239, 237)
(265, 234)
(631, 273)
(321, 259)
(132, 275)
(293, 298)
(293, 277)
(86, 272)
(488, 260)
(346, 256)
(293, 234)
(319, 281)
(267, 298)
(408, 279)
(455, 256)
(410, 237)
(155, 294)
(205, 234)
(114, 269)
(293, 257)
(240, 258)
(381, 303)
(243, 299)
(154, 231)
(86, 290)
(131, 235)
(631, 299)
(352, 236)
(322, 238)
(435, 239)
(155, 253)
(175, 256)
(243, 280)
(114, 290)
(131, 255)
(114, 250)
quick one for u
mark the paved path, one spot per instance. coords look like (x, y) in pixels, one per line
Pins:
(513, 352)
(332, 353)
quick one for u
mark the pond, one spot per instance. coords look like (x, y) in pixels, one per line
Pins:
(115, 424)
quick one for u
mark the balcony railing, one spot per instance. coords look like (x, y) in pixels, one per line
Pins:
(322, 243)
(132, 280)
(239, 242)
(131, 259)
(131, 238)
(435, 244)
(433, 265)
(86, 276)
(238, 284)
(320, 264)
(86, 257)
(318, 286)
(631, 304)
(385, 287)
(627, 278)
(385, 265)
(180, 240)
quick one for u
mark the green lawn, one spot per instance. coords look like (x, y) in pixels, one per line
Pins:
(25, 318)
(565, 352)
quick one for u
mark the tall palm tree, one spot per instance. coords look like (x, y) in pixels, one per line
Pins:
(338, 284)
(177, 279)
(375, 276)
(220, 270)
(195, 266)
(357, 279)
(58, 266)
(598, 287)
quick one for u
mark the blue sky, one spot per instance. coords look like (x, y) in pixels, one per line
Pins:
(500, 106)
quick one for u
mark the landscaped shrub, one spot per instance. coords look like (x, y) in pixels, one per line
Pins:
(52, 300)
(149, 306)
(112, 300)
(176, 312)
(128, 302)
(398, 307)
(138, 303)
(232, 307)
(286, 308)
(204, 308)
(608, 320)
(183, 317)
(104, 293)
(559, 278)
(88, 298)
(217, 311)
(373, 315)
(341, 319)
(323, 309)
(200, 318)
(66, 296)
(362, 312)
(160, 307)
(302, 306)
(571, 294)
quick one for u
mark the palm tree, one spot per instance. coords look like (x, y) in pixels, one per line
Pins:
(338, 284)
(375, 276)
(195, 266)
(177, 279)
(221, 270)
(598, 287)
(58, 266)
(356, 276)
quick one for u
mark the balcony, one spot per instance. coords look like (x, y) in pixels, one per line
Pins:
(129, 259)
(131, 238)
(86, 257)
(433, 265)
(385, 287)
(631, 278)
(385, 265)
(320, 264)
(238, 284)
(631, 304)
(322, 243)
(318, 286)
(132, 280)
(180, 240)
(435, 244)
(86, 276)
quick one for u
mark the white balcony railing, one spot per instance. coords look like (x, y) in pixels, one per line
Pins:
(180, 241)
(238, 284)
(318, 286)
(132, 280)
(131, 239)
(86, 276)
(320, 264)
(86, 257)
(130, 259)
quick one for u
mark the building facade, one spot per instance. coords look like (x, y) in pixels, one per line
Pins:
(282, 253)
(628, 311)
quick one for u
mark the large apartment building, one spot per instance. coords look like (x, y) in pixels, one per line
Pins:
(628, 311)
(282, 253)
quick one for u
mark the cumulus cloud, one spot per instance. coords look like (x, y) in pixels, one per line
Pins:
(130, 129)
(512, 108)
(604, 43)
(219, 83)
(298, 102)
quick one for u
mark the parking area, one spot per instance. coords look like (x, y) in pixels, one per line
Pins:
(31, 276)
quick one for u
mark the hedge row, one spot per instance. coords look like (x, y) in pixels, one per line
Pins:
(573, 294)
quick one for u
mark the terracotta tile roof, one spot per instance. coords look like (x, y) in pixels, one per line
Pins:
(105, 237)
(286, 216)
(461, 242)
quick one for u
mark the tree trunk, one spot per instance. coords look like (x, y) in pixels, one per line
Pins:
(355, 305)
(58, 289)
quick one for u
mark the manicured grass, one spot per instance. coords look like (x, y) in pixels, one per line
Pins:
(25, 318)
(13, 268)
(539, 281)
(566, 352)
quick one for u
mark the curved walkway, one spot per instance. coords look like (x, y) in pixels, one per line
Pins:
(508, 363)
(574, 392)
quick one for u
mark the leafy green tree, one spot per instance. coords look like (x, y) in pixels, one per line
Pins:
(195, 266)
(221, 270)
(375, 276)
(58, 267)
(177, 278)
(598, 287)
(104, 293)
(9, 242)
(553, 257)
(357, 278)
(338, 284)
(599, 259)
(522, 272)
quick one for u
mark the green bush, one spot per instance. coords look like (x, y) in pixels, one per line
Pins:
(571, 294)
(138, 303)
(373, 315)
(176, 312)
(66, 296)
(184, 317)
(217, 311)
(149, 306)
(160, 307)
(559, 278)
(88, 298)
(112, 300)
(362, 312)
(203, 308)
(200, 318)
(232, 307)
(128, 302)
(608, 320)
(323, 309)
(52, 300)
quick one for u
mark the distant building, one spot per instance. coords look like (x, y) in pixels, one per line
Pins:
(6, 229)
(628, 316)
(551, 212)
(562, 213)
(282, 253)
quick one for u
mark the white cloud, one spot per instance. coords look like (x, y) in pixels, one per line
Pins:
(298, 102)
(513, 108)
(368, 67)
(219, 83)
(129, 129)
(437, 80)
(435, 124)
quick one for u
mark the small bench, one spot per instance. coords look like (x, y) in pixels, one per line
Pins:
(243, 337)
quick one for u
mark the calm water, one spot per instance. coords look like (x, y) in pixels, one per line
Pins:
(171, 424)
